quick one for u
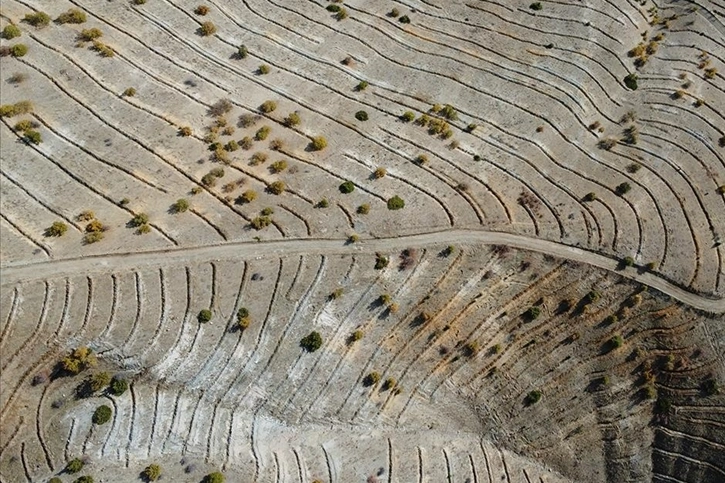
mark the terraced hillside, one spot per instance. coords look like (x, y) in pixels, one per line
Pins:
(503, 219)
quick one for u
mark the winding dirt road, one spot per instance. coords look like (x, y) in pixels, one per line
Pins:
(18, 272)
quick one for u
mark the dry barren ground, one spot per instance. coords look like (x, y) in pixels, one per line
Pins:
(510, 244)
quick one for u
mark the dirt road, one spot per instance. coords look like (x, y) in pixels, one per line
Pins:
(13, 273)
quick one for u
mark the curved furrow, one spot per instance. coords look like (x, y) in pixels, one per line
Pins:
(9, 321)
(68, 219)
(32, 332)
(112, 343)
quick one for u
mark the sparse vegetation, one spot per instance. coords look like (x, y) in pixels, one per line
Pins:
(347, 187)
(268, 106)
(74, 466)
(311, 342)
(153, 471)
(533, 397)
(361, 116)
(292, 119)
(396, 203)
(73, 16)
(57, 229)
(215, 477)
(37, 19)
(102, 415)
(207, 29)
(201, 10)
(11, 31)
(204, 316)
(318, 143)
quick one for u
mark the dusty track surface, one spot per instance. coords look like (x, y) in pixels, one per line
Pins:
(13, 273)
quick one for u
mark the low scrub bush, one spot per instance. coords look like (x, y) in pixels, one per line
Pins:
(623, 188)
(37, 19)
(102, 415)
(263, 69)
(532, 313)
(18, 50)
(73, 16)
(11, 31)
(318, 143)
(533, 397)
(536, 6)
(88, 35)
(139, 219)
(215, 477)
(78, 360)
(99, 381)
(361, 116)
(268, 106)
(347, 187)
(201, 10)
(361, 86)
(74, 466)
(404, 19)
(180, 206)
(381, 261)
(58, 228)
(247, 197)
(206, 29)
(260, 222)
(396, 203)
(631, 81)
(311, 342)
(292, 119)
(363, 209)
(278, 166)
(407, 116)
(242, 52)
(262, 133)
(118, 386)
(276, 187)
(102, 49)
(380, 173)
(220, 107)
(204, 316)
(153, 471)
(371, 379)
(591, 196)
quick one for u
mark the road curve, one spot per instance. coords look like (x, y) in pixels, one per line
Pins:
(12, 273)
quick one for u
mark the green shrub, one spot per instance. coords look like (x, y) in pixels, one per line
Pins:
(130, 92)
(262, 133)
(72, 16)
(263, 69)
(139, 219)
(18, 50)
(215, 477)
(356, 336)
(38, 19)
(341, 14)
(371, 379)
(247, 197)
(323, 203)
(204, 316)
(99, 381)
(592, 296)
(152, 472)
(88, 35)
(181, 205)
(631, 81)
(242, 52)
(32, 137)
(10, 110)
(55, 479)
(201, 10)
(333, 8)
(591, 196)
(380, 173)
(276, 187)
(361, 86)
(404, 19)
(407, 116)
(11, 31)
(93, 237)
(533, 397)
(361, 116)
(628, 262)
(616, 342)
(312, 341)
(532, 313)
(102, 49)
(102, 415)
(394, 13)
(278, 166)
(396, 203)
(261, 222)
(318, 143)
(268, 106)
(536, 6)
(623, 188)
(118, 386)
(449, 113)
(347, 187)
(139, 2)
(58, 228)
(710, 387)
(85, 478)
(292, 119)
(381, 261)
(267, 211)
(74, 466)
(206, 29)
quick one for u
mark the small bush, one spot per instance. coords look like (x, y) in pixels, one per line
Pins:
(356, 336)
(102, 415)
(262, 133)
(404, 19)
(55, 479)
(381, 261)
(361, 86)
(396, 203)
(58, 228)
(361, 116)
(628, 262)
(242, 52)
(336, 294)
(341, 14)
(102, 49)
(74, 466)
(32, 137)
(18, 50)
(152, 472)
(247, 197)
(276, 187)
(180, 206)
(17, 78)
(607, 144)
(99, 381)
(631, 81)
(220, 107)
(73, 15)
(323, 203)
(201, 10)
(407, 116)
(130, 92)
(118, 386)
(363, 209)
(591, 196)
(88, 35)
(268, 106)
(394, 13)
(85, 478)
(532, 313)
(318, 143)
(421, 160)
(380, 173)
(204, 316)
(347, 187)
(94, 237)
(311, 342)
(38, 19)
(710, 387)
(263, 69)
(292, 119)
(533, 397)
(215, 477)
(333, 8)
(536, 6)
(206, 29)
(623, 188)
(371, 379)
(260, 222)
(11, 31)
(185, 131)
(139, 219)
(616, 342)
(139, 2)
